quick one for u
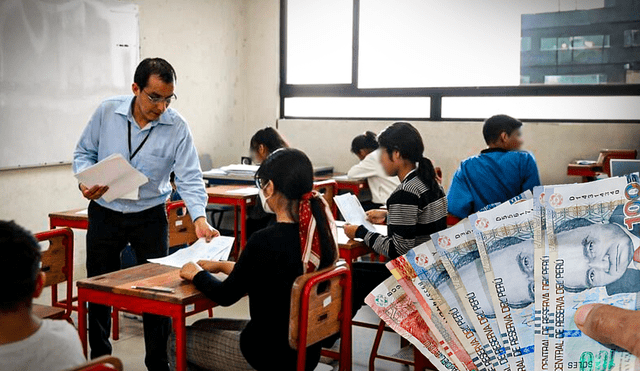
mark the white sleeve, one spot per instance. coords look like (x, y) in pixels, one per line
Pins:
(364, 169)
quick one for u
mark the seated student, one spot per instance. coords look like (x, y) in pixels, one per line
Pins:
(497, 174)
(415, 210)
(262, 144)
(365, 146)
(26, 341)
(272, 259)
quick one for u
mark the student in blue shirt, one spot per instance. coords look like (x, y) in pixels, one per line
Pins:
(497, 174)
(156, 140)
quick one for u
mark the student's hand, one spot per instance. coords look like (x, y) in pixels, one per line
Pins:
(610, 325)
(213, 266)
(189, 271)
(377, 216)
(203, 229)
(94, 192)
(350, 230)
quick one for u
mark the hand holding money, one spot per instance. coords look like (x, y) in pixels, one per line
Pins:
(610, 325)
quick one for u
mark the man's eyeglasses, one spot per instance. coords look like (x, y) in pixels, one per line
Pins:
(156, 100)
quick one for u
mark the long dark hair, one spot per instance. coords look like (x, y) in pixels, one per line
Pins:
(364, 141)
(404, 138)
(268, 137)
(291, 172)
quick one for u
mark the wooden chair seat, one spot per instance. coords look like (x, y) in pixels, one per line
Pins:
(48, 312)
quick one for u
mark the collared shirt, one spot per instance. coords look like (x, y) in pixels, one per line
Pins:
(169, 148)
(380, 184)
(494, 176)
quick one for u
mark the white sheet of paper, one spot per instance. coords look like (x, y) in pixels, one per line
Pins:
(83, 212)
(214, 172)
(248, 191)
(352, 211)
(117, 173)
(218, 249)
(241, 168)
(342, 238)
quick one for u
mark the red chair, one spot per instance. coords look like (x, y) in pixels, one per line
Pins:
(329, 189)
(321, 307)
(57, 265)
(104, 363)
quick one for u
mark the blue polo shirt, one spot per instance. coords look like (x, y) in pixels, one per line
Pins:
(492, 177)
(169, 147)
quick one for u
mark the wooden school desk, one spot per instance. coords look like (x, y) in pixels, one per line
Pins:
(70, 218)
(114, 289)
(223, 194)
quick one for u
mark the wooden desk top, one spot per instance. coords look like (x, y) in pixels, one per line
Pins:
(222, 191)
(70, 215)
(149, 274)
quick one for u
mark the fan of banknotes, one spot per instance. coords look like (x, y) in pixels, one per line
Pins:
(499, 290)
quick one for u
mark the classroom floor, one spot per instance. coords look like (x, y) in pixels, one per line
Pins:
(130, 347)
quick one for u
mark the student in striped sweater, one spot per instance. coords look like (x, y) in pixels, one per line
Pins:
(415, 210)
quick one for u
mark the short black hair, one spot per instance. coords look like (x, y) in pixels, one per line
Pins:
(367, 140)
(21, 256)
(268, 137)
(154, 66)
(498, 124)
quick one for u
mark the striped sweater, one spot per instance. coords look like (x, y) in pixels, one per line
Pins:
(415, 212)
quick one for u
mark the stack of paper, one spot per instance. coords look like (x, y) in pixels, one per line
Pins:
(217, 249)
(117, 173)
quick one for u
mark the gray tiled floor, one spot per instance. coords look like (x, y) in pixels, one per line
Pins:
(130, 347)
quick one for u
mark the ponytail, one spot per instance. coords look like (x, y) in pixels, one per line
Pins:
(328, 249)
(427, 173)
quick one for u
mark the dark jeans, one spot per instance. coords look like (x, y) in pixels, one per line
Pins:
(108, 234)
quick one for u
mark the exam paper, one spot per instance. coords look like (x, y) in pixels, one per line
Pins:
(117, 173)
(248, 191)
(352, 211)
(218, 249)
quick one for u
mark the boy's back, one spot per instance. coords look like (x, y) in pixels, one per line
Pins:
(497, 174)
(54, 346)
(494, 176)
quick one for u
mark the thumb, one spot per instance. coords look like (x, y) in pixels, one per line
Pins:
(610, 325)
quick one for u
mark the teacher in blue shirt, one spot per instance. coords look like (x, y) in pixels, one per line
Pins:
(156, 140)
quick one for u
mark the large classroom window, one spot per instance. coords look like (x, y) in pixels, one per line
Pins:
(545, 60)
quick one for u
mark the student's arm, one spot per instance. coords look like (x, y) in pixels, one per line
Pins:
(189, 180)
(364, 169)
(402, 219)
(530, 177)
(235, 286)
(459, 198)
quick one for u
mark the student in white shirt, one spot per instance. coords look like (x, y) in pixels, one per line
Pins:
(28, 343)
(365, 146)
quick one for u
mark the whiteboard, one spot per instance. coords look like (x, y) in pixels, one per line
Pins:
(58, 60)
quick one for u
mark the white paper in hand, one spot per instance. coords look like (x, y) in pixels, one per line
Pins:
(218, 249)
(117, 173)
(352, 211)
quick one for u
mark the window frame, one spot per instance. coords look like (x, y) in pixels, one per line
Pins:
(436, 94)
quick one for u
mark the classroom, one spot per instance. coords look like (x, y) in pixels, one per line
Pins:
(244, 65)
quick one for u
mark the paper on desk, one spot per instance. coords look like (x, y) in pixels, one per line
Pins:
(83, 212)
(247, 191)
(240, 168)
(218, 249)
(117, 173)
(341, 177)
(352, 211)
(214, 172)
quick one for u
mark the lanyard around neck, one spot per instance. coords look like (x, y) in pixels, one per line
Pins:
(131, 156)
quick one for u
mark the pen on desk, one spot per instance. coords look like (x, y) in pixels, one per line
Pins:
(154, 288)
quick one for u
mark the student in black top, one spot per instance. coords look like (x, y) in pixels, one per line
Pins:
(272, 259)
(415, 210)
